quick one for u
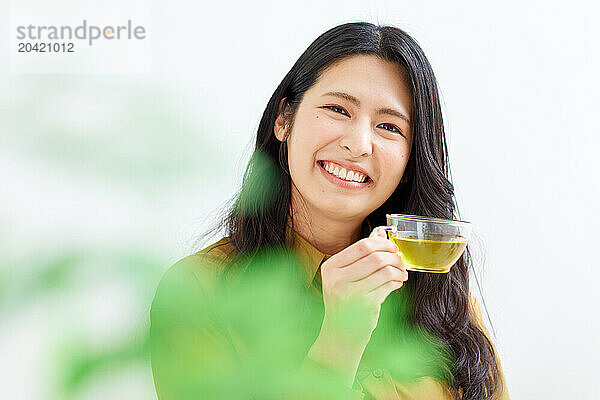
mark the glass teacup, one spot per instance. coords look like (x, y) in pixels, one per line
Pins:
(428, 244)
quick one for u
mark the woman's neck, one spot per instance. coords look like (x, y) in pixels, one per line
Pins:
(326, 234)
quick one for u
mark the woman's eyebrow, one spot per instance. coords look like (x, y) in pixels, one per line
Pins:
(356, 102)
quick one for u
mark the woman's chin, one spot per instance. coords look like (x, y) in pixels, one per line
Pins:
(343, 210)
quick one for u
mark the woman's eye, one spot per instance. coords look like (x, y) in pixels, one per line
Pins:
(337, 109)
(393, 128)
(389, 127)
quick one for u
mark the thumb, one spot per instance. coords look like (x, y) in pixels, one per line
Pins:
(378, 231)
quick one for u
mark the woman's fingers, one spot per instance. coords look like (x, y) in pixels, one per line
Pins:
(382, 292)
(381, 276)
(361, 249)
(378, 232)
(370, 264)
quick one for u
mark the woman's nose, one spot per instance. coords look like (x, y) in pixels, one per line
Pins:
(358, 139)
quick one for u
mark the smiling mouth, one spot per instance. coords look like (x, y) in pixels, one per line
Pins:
(342, 174)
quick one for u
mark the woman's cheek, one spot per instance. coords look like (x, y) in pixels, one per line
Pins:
(327, 127)
(393, 170)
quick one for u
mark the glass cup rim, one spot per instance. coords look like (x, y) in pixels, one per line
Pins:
(425, 219)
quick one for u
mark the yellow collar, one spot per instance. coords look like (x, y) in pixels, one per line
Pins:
(310, 256)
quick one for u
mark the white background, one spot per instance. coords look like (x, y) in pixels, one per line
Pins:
(519, 82)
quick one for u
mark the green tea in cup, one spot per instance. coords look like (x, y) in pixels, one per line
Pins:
(428, 244)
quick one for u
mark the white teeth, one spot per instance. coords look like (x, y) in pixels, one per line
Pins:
(343, 174)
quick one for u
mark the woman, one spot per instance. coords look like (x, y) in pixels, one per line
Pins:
(354, 131)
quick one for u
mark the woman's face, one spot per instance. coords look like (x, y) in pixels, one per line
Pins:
(354, 121)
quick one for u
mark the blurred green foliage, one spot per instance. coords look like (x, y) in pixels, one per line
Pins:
(117, 132)
(247, 336)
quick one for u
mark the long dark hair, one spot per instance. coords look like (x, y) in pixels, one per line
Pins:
(262, 209)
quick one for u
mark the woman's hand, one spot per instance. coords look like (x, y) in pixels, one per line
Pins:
(355, 282)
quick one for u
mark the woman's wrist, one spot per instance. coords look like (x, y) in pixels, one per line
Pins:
(346, 336)
(340, 355)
